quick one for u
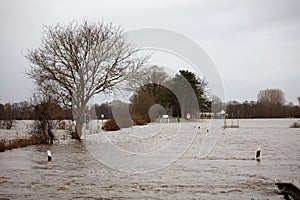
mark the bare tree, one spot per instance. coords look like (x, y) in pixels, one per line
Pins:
(149, 87)
(271, 96)
(217, 104)
(44, 110)
(298, 100)
(153, 75)
(142, 101)
(271, 101)
(77, 61)
(10, 115)
(2, 113)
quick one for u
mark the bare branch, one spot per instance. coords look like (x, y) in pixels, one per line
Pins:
(77, 61)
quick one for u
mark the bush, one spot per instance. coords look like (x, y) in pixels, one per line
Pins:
(16, 143)
(295, 125)
(41, 133)
(61, 124)
(2, 145)
(7, 124)
(110, 125)
(138, 120)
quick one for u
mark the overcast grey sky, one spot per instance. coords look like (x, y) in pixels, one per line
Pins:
(254, 44)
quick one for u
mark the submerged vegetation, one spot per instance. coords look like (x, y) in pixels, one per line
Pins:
(110, 125)
(15, 143)
(295, 125)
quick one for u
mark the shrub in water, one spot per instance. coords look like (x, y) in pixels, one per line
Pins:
(15, 143)
(110, 125)
(2, 145)
(295, 125)
(138, 120)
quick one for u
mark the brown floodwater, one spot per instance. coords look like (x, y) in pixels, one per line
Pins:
(170, 161)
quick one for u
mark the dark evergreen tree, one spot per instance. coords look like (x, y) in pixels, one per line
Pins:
(199, 88)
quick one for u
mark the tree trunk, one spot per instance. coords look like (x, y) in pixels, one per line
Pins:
(75, 135)
(78, 130)
(51, 135)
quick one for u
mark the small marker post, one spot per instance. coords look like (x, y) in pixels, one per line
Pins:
(49, 155)
(257, 157)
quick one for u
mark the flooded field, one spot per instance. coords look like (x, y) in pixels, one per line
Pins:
(169, 161)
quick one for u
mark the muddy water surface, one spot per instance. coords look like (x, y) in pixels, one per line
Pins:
(225, 171)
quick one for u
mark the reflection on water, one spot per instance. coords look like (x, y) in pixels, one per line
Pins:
(229, 171)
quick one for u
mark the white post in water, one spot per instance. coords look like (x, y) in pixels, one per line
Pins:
(257, 157)
(188, 116)
(166, 118)
(102, 117)
(49, 155)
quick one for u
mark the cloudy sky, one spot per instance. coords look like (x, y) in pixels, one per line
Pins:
(254, 44)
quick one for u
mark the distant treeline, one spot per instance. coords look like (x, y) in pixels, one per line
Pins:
(26, 111)
(270, 104)
(247, 109)
(254, 109)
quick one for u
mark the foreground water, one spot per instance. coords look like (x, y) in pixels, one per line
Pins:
(216, 165)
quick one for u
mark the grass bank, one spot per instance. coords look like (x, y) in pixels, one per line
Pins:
(15, 143)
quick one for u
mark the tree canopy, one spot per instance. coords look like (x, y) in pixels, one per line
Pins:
(77, 61)
(198, 85)
(182, 94)
(271, 96)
